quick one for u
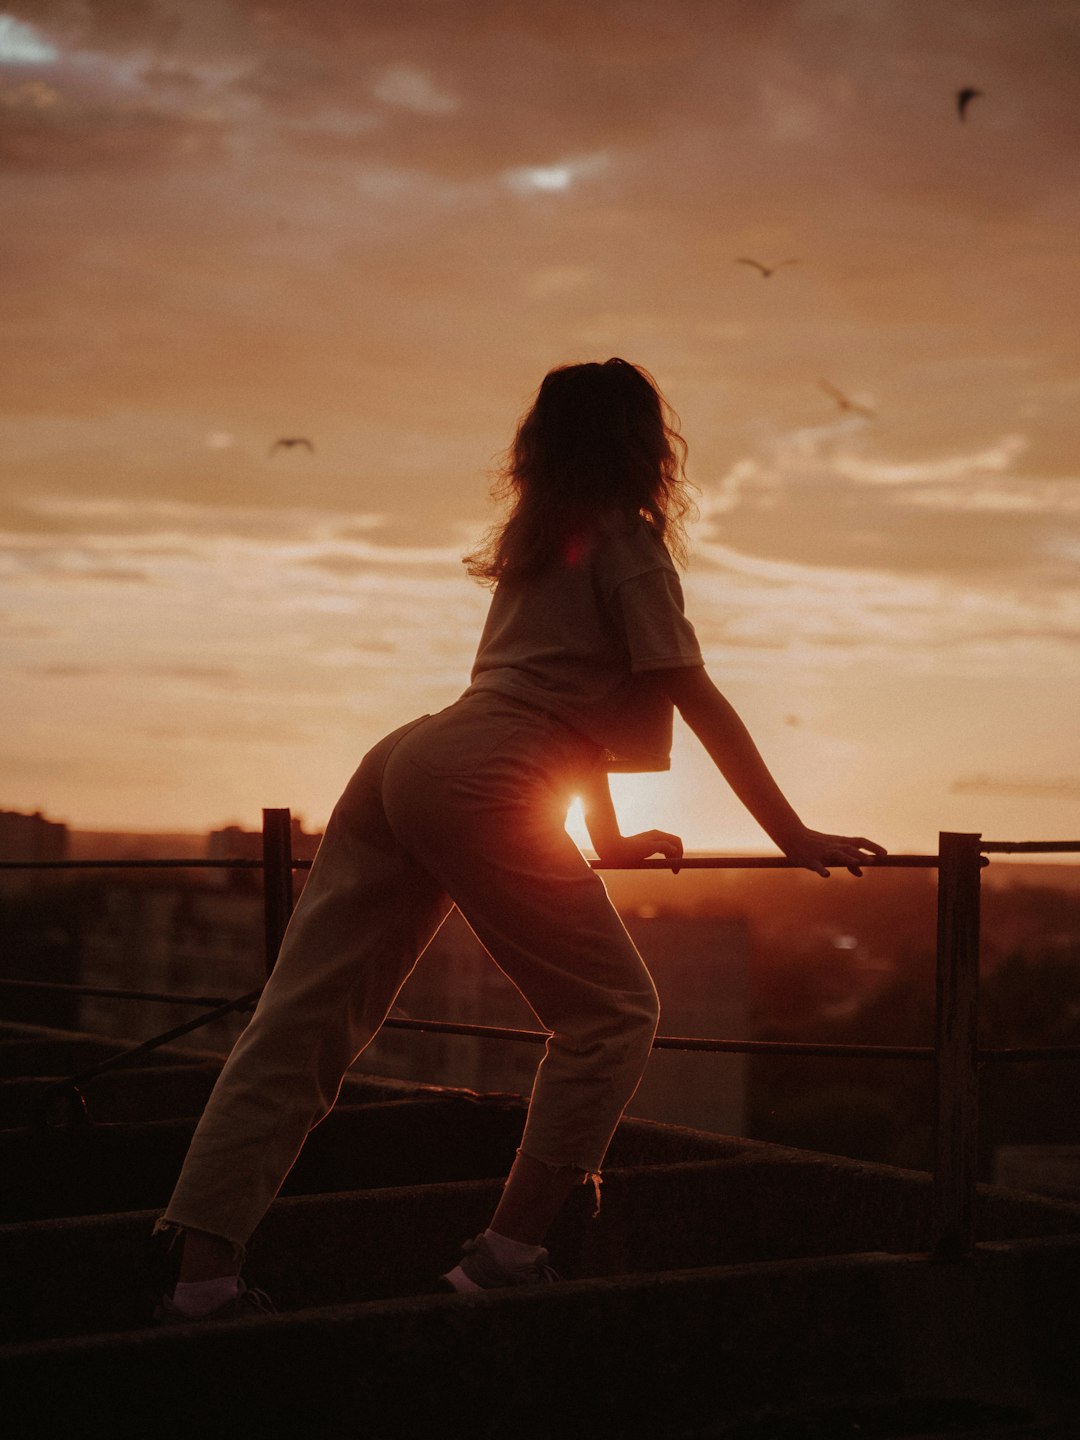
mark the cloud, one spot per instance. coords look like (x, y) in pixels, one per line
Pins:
(378, 224)
(554, 178)
(116, 27)
(241, 732)
(79, 569)
(457, 92)
(817, 497)
(77, 670)
(128, 85)
(821, 546)
(1017, 787)
(995, 458)
(21, 44)
(409, 88)
(305, 558)
(175, 520)
(361, 556)
(20, 627)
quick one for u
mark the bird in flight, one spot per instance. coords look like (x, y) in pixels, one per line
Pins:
(843, 401)
(766, 270)
(287, 442)
(964, 98)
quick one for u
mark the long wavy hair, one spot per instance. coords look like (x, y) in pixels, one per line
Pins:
(599, 439)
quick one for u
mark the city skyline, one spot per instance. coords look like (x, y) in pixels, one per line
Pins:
(374, 229)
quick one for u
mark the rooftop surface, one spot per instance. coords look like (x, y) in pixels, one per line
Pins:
(727, 1288)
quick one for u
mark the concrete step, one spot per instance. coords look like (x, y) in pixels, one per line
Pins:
(373, 1244)
(98, 1169)
(56, 1057)
(132, 1094)
(678, 1354)
(170, 1085)
(725, 1284)
(95, 1169)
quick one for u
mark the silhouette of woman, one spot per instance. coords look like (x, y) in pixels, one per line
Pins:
(585, 653)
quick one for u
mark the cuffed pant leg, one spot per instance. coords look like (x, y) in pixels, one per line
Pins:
(366, 914)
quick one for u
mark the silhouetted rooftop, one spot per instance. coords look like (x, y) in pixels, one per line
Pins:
(728, 1287)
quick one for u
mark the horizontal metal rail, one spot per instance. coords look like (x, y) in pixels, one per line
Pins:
(748, 1047)
(539, 1037)
(688, 862)
(680, 1042)
(955, 1054)
(157, 864)
(58, 988)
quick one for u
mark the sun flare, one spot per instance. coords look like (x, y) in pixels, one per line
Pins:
(640, 804)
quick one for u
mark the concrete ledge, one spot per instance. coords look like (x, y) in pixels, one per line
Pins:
(60, 1057)
(676, 1354)
(174, 1086)
(439, 1135)
(373, 1244)
(132, 1094)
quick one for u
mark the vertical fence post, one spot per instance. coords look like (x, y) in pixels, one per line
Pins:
(956, 1071)
(277, 880)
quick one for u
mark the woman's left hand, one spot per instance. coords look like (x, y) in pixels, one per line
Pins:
(629, 849)
(816, 850)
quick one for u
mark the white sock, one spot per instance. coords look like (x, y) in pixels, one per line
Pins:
(199, 1297)
(511, 1253)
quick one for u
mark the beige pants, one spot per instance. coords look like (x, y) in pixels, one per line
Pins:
(466, 807)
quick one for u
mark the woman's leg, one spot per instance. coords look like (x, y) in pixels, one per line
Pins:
(561, 943)
(533, 1195)
(367, 912)
(494, 838)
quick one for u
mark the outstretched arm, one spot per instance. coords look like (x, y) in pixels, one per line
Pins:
(728, 742)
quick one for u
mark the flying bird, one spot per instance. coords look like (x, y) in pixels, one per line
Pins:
(964, 98)
(766, 270)
(287, 442)
(843, 401)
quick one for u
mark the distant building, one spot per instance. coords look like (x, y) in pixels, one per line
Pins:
(170, 935)
(702, 973)
(29, 837)
(186, 932)
(235, 843)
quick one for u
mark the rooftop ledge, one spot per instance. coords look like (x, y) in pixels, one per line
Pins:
(726, 1284)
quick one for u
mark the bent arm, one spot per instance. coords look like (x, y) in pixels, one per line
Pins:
(600, 818)
(603, 826)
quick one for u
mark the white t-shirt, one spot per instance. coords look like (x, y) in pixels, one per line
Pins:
(583, 640)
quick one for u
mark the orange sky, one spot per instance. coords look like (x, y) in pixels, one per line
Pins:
(378, 224)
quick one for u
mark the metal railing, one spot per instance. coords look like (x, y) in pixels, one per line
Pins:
(955, 1053)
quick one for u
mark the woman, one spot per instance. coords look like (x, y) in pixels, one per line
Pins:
(585, 654)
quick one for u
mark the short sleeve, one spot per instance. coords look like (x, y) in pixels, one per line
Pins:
(658, 634)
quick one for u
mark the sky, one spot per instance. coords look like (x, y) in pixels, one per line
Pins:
(377, 225)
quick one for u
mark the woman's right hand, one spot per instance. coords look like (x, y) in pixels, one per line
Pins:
(816, 850)
(629, 849)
